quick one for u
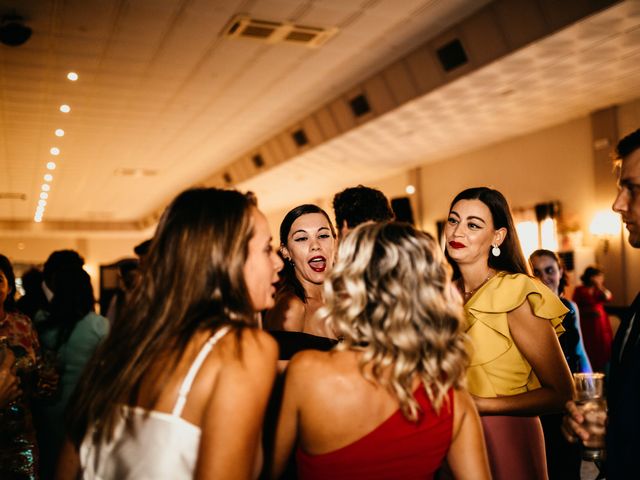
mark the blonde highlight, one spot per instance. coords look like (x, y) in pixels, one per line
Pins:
(390, 296)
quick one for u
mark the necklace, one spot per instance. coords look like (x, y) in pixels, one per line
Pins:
(469, 294)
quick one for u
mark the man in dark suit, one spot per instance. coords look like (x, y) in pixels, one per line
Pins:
(623, 392)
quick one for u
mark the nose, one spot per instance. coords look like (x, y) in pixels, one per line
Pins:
(620, 203)
(277, 262)
(314, 245)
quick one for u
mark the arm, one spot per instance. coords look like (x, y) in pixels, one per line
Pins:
(467, 455)
(232, 423)
(287, 314)
(287, 428)
(538, 343)
(585, 365)
(68, 462)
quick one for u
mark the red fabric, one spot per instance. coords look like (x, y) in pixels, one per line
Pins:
(397, 448)
(595, 325)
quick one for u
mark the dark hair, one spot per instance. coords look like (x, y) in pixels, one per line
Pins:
(72, 301)
(193, 280)
(511, 258)
(34, 298)
(288, 274)
(142, 248)
(589, 272)
(628, 145)
(7, 269)
(60, 261)
(564, 278)
(361, 204)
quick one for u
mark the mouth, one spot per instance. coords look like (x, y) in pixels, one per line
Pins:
(456, 245)
(318, 263)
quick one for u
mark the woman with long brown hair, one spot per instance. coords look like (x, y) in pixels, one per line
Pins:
(179, 388)
(387, 402)
(517, 369)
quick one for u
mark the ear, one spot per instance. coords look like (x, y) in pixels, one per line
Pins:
(285, 252)
(499, 236)
(344, 228)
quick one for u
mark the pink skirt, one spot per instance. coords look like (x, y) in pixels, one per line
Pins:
(516, 447)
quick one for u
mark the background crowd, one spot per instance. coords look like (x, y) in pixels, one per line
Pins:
(356, 349)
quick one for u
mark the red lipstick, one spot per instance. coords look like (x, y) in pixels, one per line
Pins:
(456, 245)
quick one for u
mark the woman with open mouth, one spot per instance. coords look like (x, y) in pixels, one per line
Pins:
(307, 244)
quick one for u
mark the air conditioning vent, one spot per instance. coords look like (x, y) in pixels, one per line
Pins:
(243, 26)
(12, 196)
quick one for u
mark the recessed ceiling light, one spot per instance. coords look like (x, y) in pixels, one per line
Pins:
(37, 219)
(65, 108)
(54, 151)
(51, 165)
(42, 203)
(410, 189)
(45, 187)
(48, 177)
(40, 209)
(73, 76)
(44, 195)
(59, 132)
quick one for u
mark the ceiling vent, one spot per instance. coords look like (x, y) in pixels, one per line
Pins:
(12, 196)
(135, 172)
(243, 26)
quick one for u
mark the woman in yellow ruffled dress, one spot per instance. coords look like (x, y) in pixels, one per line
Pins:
(517, 369)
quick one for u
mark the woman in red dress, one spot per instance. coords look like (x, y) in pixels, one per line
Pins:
(594, 321)
(387, 402)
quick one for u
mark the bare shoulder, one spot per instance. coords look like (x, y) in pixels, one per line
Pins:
(287, 314)
(249, 346)
(323, 371)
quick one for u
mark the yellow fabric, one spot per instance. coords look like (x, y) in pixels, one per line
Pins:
(497, 367)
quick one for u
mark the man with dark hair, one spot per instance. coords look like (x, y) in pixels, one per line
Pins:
(623, 388)
(360, 204)
(59, 262)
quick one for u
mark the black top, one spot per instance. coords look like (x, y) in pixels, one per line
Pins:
(291, 343)
(623, 398)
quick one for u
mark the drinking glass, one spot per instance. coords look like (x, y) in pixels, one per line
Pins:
(590, 400)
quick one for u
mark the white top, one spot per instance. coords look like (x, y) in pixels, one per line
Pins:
(163, 445)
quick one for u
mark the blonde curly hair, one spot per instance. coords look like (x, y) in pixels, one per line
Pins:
(390, 296)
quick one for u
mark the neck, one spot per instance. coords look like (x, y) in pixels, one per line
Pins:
(313, 291)
(474, 275)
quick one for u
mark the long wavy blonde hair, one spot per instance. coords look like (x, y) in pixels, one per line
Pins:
(390, 296)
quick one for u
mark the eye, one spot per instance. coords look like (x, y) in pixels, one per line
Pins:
(452, 221)
(325, 235)
(300, 239)
(548, 270)
(474, 226)
(536, 273)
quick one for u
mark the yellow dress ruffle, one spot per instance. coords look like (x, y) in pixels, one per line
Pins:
(497, 367)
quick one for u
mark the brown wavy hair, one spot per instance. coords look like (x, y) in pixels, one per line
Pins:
(192, 280)
(390, 295)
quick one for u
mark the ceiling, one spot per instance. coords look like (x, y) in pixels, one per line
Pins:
(163, 95)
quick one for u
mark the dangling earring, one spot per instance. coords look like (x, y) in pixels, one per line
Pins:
(495, 251)
(290, 262)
